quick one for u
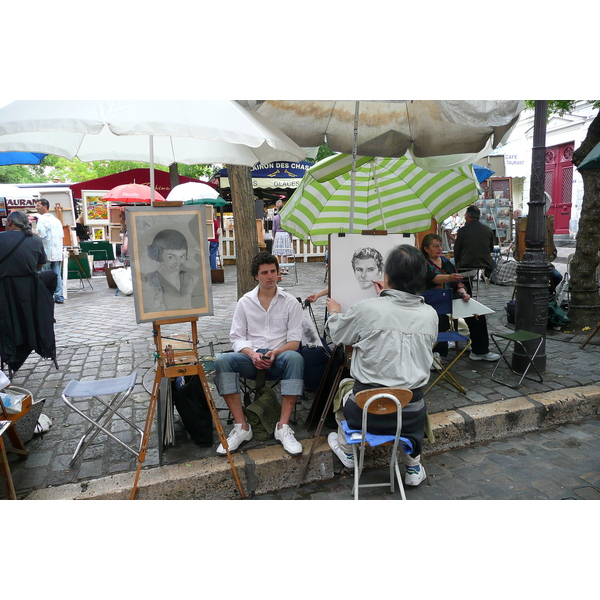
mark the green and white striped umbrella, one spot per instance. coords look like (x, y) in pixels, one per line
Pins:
(391, 194)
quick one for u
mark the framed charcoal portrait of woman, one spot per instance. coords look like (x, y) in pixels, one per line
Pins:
(169, 262)
(356, 261)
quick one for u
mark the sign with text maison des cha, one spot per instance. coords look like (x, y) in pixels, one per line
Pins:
(280, 174)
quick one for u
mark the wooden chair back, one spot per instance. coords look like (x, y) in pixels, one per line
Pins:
(383, 406)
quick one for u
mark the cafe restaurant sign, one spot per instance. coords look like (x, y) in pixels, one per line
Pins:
(273, 175)
(20, 202)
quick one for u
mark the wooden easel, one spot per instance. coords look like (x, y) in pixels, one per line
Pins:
(342, 370)
(173, 363)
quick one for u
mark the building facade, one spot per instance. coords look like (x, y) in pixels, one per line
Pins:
(563, 183)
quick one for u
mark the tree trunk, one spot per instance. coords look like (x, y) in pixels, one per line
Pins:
(584, 306)
(173, 175)
(244, 222)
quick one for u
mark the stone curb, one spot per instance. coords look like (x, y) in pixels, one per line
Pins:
(268, 469)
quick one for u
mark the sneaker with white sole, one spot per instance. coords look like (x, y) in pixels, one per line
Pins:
(347, 459)
(490, 356)
(236, 436)
(414, 475)
(434, 365)
(286, 436)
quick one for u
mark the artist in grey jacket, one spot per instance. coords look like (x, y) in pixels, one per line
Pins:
(392, 338)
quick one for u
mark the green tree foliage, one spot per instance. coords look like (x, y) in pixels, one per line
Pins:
(27, 173)
(76, 171)
(57, 168)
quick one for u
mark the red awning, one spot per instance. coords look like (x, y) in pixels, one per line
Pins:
(162, 181)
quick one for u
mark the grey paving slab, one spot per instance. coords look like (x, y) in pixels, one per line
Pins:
(97, 337)
(518, 468)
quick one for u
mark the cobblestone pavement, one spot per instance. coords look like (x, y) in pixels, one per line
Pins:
(562, 463)
(98, 337)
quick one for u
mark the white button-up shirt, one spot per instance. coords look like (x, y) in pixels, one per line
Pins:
(50, 231)
(254, 327)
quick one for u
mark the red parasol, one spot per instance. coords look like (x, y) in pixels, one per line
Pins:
(131, 193)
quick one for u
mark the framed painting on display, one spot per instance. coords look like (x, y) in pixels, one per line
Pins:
(95, 210)
(356, 261)
(98, 234)
(169, 262)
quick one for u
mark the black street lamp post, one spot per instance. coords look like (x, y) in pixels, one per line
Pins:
(533, 272)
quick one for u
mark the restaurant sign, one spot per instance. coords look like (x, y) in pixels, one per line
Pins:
(280, 174)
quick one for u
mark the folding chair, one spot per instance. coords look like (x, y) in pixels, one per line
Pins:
(120, 389)
(441, 300)
(518, 337)
(379, 401)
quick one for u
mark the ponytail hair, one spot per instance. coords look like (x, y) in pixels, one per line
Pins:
(20, 220)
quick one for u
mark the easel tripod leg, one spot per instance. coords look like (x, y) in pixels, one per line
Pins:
(147, 431)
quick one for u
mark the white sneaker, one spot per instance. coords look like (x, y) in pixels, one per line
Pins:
(286, 436)
(414, 475)
(490, 356)
(236, 436)
(347, 459)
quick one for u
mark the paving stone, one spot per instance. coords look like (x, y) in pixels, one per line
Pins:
(588, 493)
(114, 344)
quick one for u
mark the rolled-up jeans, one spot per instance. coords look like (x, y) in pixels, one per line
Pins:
(287, 367)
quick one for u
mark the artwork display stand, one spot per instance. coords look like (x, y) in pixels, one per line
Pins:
(173, 363)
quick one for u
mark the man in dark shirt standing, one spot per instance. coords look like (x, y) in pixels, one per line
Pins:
(473, 250)
(474, 244)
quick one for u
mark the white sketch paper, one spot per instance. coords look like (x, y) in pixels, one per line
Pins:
(462, 309)
(356, 261)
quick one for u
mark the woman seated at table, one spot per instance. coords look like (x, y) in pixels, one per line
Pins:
(441, 273)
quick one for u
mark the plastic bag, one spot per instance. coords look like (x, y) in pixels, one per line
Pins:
(13, 403)
(122, 278)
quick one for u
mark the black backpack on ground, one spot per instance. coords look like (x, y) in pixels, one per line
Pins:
(192, 406)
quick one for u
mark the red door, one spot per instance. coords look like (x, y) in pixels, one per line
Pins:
(559, 184)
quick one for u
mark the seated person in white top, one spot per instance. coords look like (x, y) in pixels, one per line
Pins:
(266, 332)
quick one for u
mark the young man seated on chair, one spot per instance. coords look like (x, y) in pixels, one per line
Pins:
(265, 333)
(392, 337)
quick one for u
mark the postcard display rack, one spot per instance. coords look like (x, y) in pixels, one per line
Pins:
(496, 207)
(496, 213)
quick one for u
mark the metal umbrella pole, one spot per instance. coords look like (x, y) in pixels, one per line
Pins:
(353, 177)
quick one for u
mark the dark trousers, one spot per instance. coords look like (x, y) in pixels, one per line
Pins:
(478, 333)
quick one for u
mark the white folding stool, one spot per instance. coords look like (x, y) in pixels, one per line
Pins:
(119, 388)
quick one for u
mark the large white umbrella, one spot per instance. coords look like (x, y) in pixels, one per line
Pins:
(392, 194)
(438, 134)
(192, 190)
(154, 131)
(391, 128)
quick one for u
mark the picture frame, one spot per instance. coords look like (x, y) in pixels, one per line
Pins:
(95, 209)
(349, 284)
(170, 267)
(97, 234)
